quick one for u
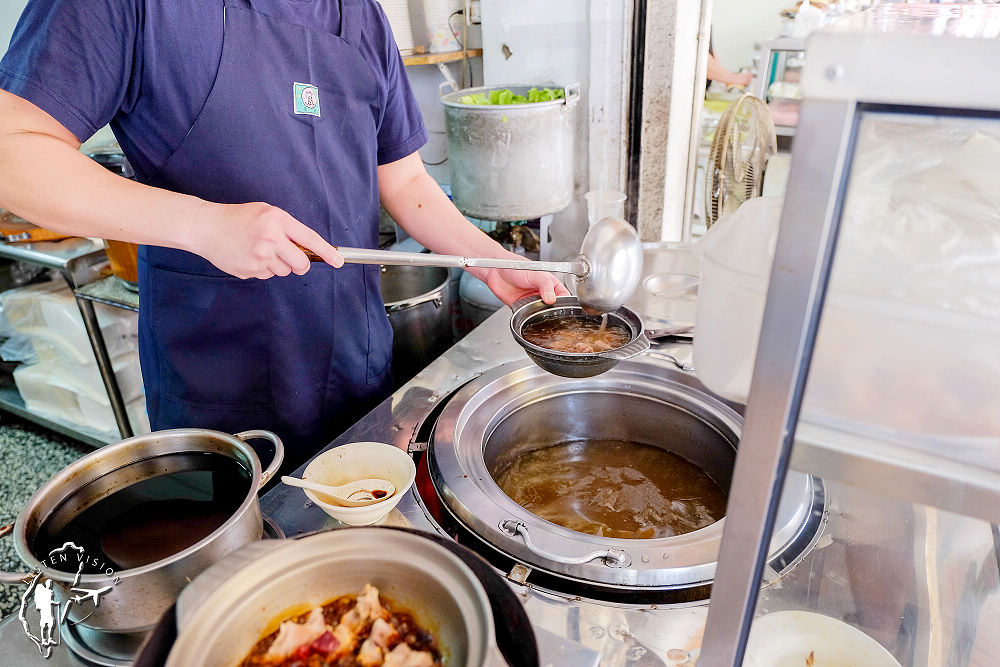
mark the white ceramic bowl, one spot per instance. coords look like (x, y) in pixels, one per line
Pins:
(361, 460)
(786, 638)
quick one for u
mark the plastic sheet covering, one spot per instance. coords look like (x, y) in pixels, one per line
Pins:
(908, 348)
(922, 217)
(19, 348)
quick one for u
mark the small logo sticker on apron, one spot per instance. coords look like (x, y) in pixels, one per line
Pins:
(306, 97)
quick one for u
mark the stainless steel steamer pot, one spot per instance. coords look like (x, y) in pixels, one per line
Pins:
(418, 301)
(234, 603)
(511, 161)
(141, 595)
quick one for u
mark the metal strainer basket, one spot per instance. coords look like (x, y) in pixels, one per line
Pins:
(575, 364)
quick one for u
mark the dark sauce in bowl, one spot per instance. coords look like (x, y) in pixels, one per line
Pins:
(151, 519)
(578, 334)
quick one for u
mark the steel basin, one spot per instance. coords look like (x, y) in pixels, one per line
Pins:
(518, 407)
(139, 596)
(233, 604)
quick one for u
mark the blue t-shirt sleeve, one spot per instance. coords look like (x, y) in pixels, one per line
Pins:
(74, 59)
(402, 130)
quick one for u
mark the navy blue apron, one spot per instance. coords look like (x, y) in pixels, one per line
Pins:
(291, 121)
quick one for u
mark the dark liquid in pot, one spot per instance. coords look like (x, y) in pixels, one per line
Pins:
(150, 519)
(613, 488)
(575, 333)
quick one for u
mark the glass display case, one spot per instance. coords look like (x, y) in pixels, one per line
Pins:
(777, 81)
(878, 362)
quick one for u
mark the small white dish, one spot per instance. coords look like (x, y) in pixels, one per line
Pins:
(787, 638)
(360, 460)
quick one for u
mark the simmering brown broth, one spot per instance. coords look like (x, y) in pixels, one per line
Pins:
(575, 333)
(613, 488)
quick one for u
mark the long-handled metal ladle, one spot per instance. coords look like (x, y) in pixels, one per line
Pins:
(604, 275)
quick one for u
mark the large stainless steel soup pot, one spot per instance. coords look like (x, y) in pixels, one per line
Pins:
(517, 408)
(227, 610)
(139, 596)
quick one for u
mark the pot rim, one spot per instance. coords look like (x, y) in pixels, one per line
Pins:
(418, 299)
(70, 479)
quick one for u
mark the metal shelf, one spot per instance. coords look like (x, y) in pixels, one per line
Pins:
(82, 262)
(11, 401)
(925, 477)
(435, 58)
(110, 291)
(58, 255)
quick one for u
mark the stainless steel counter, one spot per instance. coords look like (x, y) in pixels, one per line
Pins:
(873, 555)
(919, 580)
(607, 634)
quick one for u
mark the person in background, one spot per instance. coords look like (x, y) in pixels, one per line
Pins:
(717, 72)
(255, 128)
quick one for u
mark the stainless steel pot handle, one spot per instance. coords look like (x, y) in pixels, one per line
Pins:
(613, 557)
(279, 453)
(12, 577)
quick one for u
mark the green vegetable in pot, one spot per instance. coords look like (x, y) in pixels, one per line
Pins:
(507, 96)
(475, 98)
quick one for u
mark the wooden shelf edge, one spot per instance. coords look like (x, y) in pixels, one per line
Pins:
(446, 57)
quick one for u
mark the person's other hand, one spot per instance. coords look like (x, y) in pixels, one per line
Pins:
(509, 285)
(741, 79)
(257, 240)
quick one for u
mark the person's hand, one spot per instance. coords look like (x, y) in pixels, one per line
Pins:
(257, 240)
(742, 79)
(509, 285)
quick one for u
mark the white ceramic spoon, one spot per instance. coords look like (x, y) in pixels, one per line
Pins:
(353, 494)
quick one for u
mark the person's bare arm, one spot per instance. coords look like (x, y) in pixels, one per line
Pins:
(45, 179)
(419, 205)
(717, 72)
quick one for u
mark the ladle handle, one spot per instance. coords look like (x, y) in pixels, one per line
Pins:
(279, 453)
(399, 258)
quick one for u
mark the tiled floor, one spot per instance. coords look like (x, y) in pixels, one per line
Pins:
(29, 457)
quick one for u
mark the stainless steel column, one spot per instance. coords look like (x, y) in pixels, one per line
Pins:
(810, 221)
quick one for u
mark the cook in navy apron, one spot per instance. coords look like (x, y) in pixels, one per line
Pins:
(292, 121)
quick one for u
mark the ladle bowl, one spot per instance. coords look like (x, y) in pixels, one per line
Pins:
(613, 252)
